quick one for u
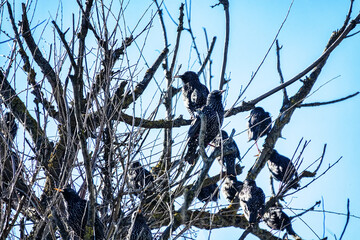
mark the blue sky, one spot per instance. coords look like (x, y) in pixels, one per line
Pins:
(254, 25)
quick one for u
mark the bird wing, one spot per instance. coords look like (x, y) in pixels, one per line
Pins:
(195, 127)
(195, 96)
(186, 95)
(237, 151)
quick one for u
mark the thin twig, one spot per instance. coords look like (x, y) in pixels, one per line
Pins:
(66, 45)
(207, 58)
(347, 219)
(278, 48)
(225, 3)
(315, 104)
(306, 210)
(260, 65)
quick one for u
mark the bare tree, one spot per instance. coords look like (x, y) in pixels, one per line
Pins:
(83, 98)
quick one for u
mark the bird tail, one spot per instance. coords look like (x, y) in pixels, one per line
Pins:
(295, 186)
(290, 230)
(190, 156)
(253, 217)
(191, 153)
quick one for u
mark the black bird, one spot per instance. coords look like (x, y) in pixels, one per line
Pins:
(210, 192)
(276, 219)
(228, 160)
(259, 124)
(139, 229)
(231, 187)
(214, 113)
(139, 178)
(194, 92)
(282, 169)
(252, 201)
(77, 214)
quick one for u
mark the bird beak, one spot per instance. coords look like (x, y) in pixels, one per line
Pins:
(247, 117)
(58, 189)
(222, 91)
(178, 76)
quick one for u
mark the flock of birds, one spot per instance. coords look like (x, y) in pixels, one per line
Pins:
(202, 104)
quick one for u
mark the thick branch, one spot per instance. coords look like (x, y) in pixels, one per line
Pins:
(20, 111)
(124, 102)
(39, 96)
(44, 65)
(77, 82)
(336, 39)
(309, 82)
(140, 88)
(221, 219)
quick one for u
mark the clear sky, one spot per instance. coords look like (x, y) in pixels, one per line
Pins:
(254, 25)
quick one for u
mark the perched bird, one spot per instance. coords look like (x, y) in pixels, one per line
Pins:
(139, 178)
(214, 114)
(228, 161)
(209, 193)
(194, 93)
(252, 201)
(231, 187)
(276, 219)
(139, 230)
(259, 124)
(281, 168)
(77, 214)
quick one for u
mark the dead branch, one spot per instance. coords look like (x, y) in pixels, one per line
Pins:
(306, 211)
(316, 104)
(347, 215)
(39, 96)
(46, 69)
(225, 3)
(207, 58)
(278, 48)
(280, 123)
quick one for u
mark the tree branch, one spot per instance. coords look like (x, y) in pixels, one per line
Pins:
(44, 65)
(140, 87)
(39, 96)
(225, 3)
(315, 104)
(280, 122)
(207, 58)
(347, 215)
(278, 48)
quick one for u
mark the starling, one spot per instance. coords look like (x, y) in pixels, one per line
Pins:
(276, 219)
(139, 229)
(214, 114)
(77, 214)
(194, 93)
(259, 123)
(231, 187)
(209, 193)
(252, 201)
(281, 168)
(139, 178)
(228, 160)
